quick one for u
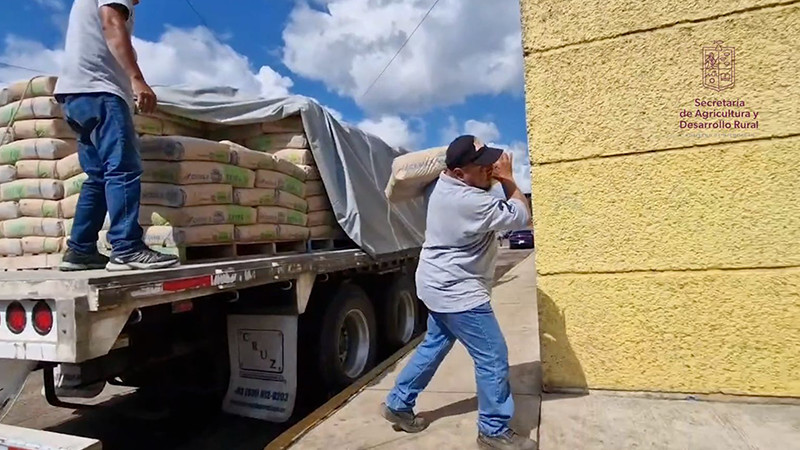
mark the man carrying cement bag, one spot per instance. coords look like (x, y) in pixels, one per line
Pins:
(97, 86)
(454, 279)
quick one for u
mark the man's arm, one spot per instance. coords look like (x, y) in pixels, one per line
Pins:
(113, 17)
(504, 173)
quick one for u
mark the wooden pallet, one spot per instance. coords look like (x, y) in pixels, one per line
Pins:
(316, 245)
(217, 252)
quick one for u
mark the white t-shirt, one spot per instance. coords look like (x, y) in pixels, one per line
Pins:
(89, 66)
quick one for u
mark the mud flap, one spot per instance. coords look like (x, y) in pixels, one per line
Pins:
(263, 362)
(15, 372)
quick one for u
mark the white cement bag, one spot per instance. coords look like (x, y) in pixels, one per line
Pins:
(192, 195)
(325, 217)
(147, 125)
(56, 169)
(293, 124)
(40, 86)
(32, 226)
(250, 159)
(276, 141)
(267, 179)
(31, 108)
(314, 188)
(192, 172)
(32, 188)
(41, 148)
(269, 197)
(318, 203)
(183, 148)
(165, 236)
(413, 172)
(9, 210)
(7, 173)
(10, 247)
(74, 184)
(190, 216)
(295, 155)
(36, 245)
(281, 215)
(69, 205)
(270, 233)
(311, 172)
(30, 207)
(43, 128)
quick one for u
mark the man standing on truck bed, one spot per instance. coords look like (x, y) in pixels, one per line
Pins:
(99, 81)
(454, 278)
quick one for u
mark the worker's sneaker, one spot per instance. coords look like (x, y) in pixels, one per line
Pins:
(74, 261)
(403, 421)
(506, 441)
(145, 259)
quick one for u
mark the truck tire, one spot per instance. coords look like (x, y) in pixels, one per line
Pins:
(401, 312)
(348, 338)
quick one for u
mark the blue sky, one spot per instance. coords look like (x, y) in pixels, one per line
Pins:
(460, 72)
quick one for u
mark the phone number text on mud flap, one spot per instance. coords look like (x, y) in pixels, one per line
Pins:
(262, 393)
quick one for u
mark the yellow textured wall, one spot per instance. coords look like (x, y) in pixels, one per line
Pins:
(667, 260)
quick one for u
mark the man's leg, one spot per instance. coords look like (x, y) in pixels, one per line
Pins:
(117, 144)
(416, 375)
(82, 114)
(478, 330)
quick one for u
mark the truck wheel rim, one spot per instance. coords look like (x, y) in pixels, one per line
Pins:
(354, 343)
(405, 315)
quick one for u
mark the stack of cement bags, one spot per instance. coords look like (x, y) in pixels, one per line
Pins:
(40, 176)
(278, 196)
(187, 192)
(158, 124)
(285, 140)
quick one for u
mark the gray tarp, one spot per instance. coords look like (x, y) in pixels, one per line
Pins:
(355, 166)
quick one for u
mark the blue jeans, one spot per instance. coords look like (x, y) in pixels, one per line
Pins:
(108, 153)
(478, 330)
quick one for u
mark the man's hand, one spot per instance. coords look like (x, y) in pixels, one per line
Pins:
(504, 168)
(145, 97)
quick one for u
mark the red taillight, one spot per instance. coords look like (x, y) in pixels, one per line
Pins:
(16, 318)
(42, 318)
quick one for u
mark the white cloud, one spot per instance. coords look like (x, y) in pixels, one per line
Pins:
(393, 130)
(490, 134)
(180, 57)
(55, 5)
(465, 47)
(485, 131)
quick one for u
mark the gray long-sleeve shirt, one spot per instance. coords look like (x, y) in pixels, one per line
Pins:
(456, 267)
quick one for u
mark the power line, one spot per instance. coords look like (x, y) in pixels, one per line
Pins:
(197, 13)
(399, 49)
(14, 66)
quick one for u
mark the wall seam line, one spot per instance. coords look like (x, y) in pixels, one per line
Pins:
(673, 271)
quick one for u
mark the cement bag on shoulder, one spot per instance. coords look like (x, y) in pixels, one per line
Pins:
(10, 247)
(269, 197)
(270, 233)
(35, 245)
(40, 148)
(7, 173)
(43, 128)
(267, 179)
(33, 226)
(40, 86)
(190, 216)
(9, 210)
(276, 141)
(413, 172)
(192, 195)
(32, 188)
(193, 172)
(30, 108)
(183, 148)
(295, 155)
(281, 215)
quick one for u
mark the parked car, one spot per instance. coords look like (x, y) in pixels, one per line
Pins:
(521, 239)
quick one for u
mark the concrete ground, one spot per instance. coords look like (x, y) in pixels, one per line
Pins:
(597, 421)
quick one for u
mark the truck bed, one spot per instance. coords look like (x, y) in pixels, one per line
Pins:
(103, 289)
